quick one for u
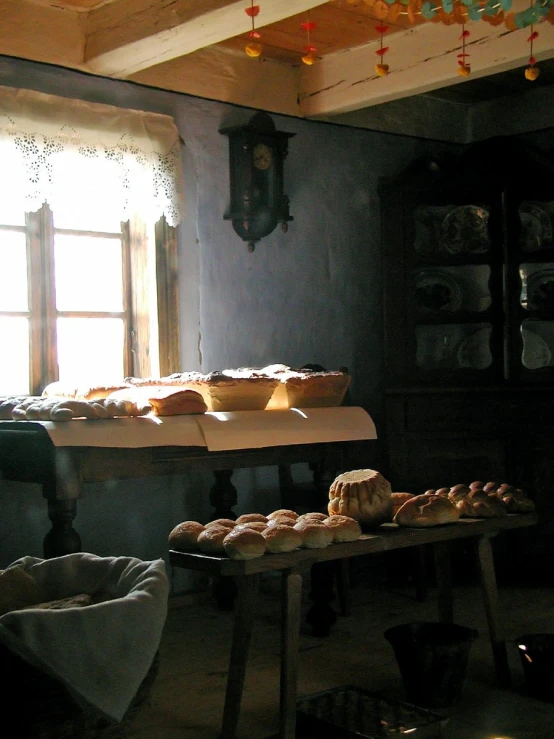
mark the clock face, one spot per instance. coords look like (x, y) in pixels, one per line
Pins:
(262, 157)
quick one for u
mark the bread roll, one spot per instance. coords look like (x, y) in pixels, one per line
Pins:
(283, 512)
(344, 528)
(491, 487)
(210, 541)
(249, 517)
(60, 389)
(426, 510)
(258, 526)
(227, 522)
(361, 494)
(314, 516)
(398, 500)
(442, 492)
(280, 538)
(176, 402)
(185, 535)
(314, 535)
(244, 544)
(281, 521)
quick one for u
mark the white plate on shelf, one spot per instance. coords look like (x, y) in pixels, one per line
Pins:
(540, 289)
(536, 352)
(474, 351)
(536, 227)
(465, 230)
(436, 290)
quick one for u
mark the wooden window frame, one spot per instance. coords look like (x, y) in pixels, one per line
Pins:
(42, 313)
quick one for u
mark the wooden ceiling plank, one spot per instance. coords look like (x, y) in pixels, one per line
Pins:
(421, 59)
(42, 33)
(200, 31)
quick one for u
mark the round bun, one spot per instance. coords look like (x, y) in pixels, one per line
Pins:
(185, 535)
(283, 512)
(314, 535)
(315, 516)
(281, 521)
(227, 522)
(244, 544)
(426, 510)
(344, 528)
(398, 500)
(210, 541)
(477, 485)
(249, 517)
(282, 538)
(361, 494)
(253, 526)
(443, 492)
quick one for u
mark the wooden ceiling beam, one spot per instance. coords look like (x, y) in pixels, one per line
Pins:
(421, 59)
(120, 43)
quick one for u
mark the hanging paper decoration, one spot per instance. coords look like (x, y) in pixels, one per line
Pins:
(309, 57)
(253, 48)
(464, 67)
(532, 72)
(381, 69)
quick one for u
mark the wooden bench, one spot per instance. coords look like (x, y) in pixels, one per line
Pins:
(291, 565)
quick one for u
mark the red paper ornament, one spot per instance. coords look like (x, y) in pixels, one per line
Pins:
(309, 57)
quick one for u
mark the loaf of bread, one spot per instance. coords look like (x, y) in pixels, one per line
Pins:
(344, 528)
(398, 500)
(361, 494)
(176, 402)
(480, 505)
(244, 544)
(184, 536)
(18, 590)
(305, 388)
(426, 510)
(515, 499)
(280, 538)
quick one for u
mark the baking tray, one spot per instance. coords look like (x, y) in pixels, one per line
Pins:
(350, 712)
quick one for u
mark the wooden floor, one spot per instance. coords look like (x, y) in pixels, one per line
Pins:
(187, 699)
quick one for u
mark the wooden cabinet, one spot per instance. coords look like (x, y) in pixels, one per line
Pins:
(468, 280)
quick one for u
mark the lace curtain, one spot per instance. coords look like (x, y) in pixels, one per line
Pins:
(71, 153)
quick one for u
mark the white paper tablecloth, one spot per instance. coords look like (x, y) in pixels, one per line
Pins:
(218, 431)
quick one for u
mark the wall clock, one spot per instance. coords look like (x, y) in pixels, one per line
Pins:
(256, 155)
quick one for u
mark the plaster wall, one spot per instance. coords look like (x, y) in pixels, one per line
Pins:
(311, 295)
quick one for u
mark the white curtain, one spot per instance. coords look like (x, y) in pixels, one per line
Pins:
(63, 151)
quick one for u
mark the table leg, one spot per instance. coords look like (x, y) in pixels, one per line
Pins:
(242, 630)
(490, 597)
(290, 642)
(62, 537)
(223, 496)
(443, 574)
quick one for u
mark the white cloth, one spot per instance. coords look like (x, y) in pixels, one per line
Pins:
(101, 652)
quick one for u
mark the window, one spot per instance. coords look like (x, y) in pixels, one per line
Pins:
(90, 285)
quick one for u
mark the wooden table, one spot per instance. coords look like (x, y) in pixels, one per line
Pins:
(27, 454)
(386, 538)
